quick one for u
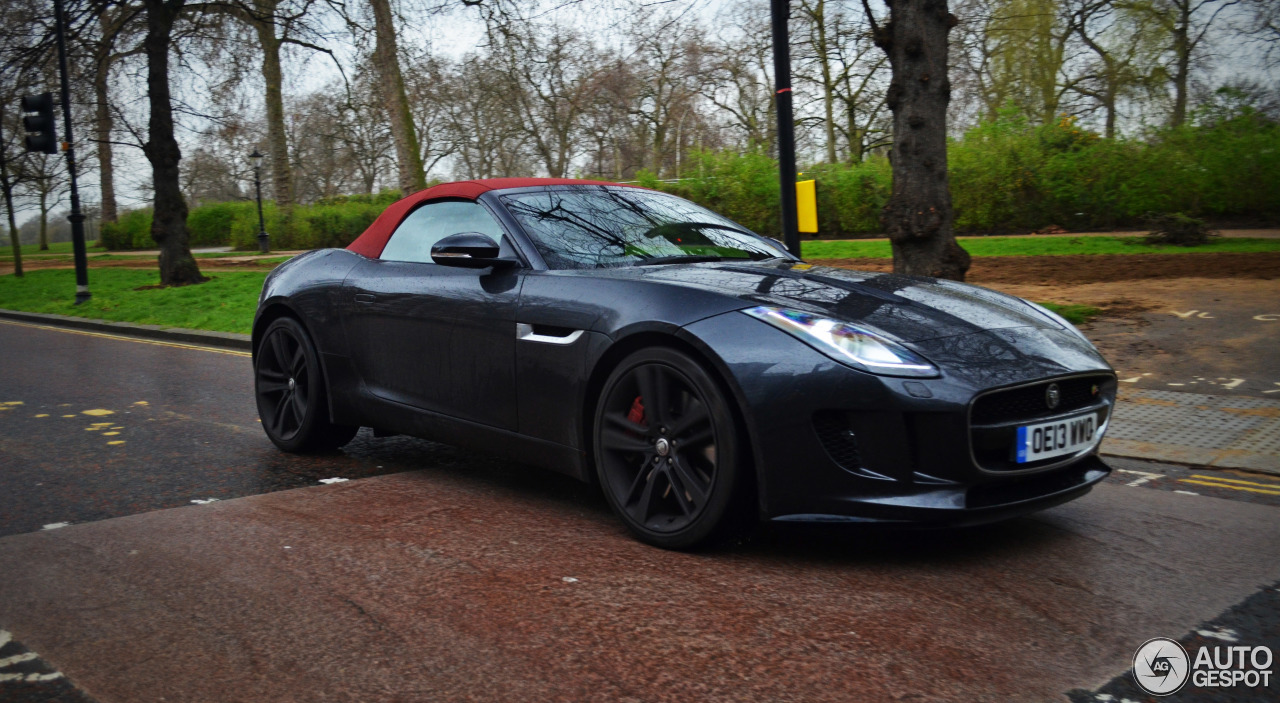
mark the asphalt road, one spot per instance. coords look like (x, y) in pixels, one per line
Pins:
(461, 577)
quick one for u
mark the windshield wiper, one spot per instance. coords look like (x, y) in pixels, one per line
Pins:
(679, 258)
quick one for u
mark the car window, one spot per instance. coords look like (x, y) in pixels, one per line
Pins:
(597, 227)
(432, 222)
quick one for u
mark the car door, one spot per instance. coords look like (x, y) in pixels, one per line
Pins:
(434, 337)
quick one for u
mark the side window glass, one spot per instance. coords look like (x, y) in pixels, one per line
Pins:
(432, 222)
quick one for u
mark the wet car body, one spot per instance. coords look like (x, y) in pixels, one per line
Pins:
(512, 360)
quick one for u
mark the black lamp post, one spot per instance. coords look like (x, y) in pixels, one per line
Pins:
(264, 241)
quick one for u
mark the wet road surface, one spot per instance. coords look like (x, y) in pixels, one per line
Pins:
(466, 578)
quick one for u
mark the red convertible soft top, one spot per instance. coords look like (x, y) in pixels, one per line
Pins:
(374, 239)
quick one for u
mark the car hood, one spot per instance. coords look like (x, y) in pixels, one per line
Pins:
(906, 308)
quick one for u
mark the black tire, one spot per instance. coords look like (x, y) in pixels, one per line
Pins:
(290, 389)
(668, 452)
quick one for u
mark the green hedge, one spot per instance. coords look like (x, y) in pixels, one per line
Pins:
(1006, 175)
(333, 222)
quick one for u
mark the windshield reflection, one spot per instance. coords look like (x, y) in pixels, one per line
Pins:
(588, 227)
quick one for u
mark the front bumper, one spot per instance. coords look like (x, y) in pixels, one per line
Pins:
(910, 458)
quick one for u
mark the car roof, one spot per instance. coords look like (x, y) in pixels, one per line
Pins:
(374, 239)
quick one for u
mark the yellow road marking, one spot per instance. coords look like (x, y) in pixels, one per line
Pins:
(154, 342)
(12, 402)
(1227, 485)
(1236, 480)
(118, 441)
(98, 412)
(109, 434)
(43, 415)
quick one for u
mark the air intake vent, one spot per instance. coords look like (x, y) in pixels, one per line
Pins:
(838, 439)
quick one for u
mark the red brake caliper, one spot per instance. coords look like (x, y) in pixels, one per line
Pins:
(636, 413)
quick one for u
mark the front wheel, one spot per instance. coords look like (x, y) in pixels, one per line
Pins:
(668, 452)
(290, 389)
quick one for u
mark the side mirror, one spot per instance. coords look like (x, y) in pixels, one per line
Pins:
(468, 250)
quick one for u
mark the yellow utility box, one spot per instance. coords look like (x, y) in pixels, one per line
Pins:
(807, 206)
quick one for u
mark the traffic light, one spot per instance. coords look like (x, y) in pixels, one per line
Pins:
(42, 136)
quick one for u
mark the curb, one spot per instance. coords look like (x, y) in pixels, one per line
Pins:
(222, 340)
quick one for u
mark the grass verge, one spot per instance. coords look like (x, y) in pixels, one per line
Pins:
(224, 304)
(1037, 246)
(1075, 314)
(33, 250)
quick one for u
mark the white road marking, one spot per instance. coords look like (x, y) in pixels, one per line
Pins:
(55, 525)
(1146, 476)
(1187, 493)
(17, 659)
(569, 579)
(205, 501)
(333, 480)
(30, 678)
(1267, 317)
(1184, 315)
(1224, 634)
(1234, 382)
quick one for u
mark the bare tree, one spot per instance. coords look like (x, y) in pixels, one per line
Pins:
(386, 59)
(169, 216)
(918, 217)
(1187, 24)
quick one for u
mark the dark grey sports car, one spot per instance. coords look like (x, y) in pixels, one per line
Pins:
(701, 374)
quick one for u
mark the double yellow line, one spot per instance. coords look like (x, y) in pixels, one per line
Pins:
(1234, 484)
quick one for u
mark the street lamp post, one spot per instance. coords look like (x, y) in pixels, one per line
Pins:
(264, 241)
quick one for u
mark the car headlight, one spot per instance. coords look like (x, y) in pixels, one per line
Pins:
(846, 343)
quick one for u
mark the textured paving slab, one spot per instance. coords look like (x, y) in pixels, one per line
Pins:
(439, 585)
(1191, 428)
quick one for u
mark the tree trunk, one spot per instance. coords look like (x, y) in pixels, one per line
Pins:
(277, 142)
(395, 100)
(918, 217)
(7, 188)
(169, 218)
(1182, 57)
(44, 217)
(103, 122)
(828, 88)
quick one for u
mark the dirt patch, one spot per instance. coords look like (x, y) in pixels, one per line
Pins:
(1098, 268)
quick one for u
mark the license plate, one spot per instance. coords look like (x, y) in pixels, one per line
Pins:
(1056, 438)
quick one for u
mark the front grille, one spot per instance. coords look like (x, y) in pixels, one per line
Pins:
(995, 417)
(838, 439)
(1028, 402)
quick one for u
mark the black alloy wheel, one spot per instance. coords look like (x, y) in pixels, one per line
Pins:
(289, 387)
(667, 450)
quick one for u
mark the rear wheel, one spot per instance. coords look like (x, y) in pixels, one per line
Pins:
(668, 452)
(289, 386)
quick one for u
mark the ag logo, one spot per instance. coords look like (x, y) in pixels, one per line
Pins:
(1160, 666)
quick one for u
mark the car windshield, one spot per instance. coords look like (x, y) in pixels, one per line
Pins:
(599, 227)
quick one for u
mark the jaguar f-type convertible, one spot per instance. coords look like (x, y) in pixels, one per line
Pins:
(701, 375)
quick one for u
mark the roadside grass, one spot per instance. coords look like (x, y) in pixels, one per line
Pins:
(1075, 314)
(33, 250)
(1037, 246)
(224, 304)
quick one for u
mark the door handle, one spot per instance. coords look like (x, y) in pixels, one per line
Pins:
(365, 298)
